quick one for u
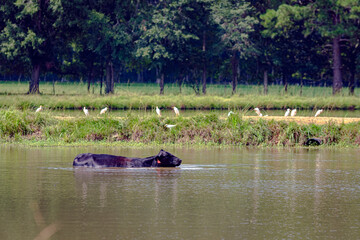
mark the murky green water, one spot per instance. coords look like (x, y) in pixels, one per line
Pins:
(214, 194)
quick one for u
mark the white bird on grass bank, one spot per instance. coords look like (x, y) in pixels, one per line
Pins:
(287, 113)
(293, 113)
(319, 112)
(103, 110)
(176, 110)
(231, 112)
(39, 109)
(86, 111)
(257, 110)
(158, 112)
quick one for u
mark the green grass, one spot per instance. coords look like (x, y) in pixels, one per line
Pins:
(145, 96)
(140, 102)
(201, 129)
(225, 90)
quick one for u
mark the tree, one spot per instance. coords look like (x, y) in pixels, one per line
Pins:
(36, 32)
(108, 34)
(236, 24)
(162, 34)
(330, 18)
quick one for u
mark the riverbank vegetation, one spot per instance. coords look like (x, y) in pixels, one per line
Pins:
(27, 126)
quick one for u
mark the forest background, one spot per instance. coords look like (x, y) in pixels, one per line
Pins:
(192, 42)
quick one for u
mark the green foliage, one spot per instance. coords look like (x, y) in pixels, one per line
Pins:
(199, 129)
(236, 23)
(85, 40)
(163, 33)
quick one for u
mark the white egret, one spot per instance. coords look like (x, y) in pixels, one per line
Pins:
(158, 112)
(257, 110)
(86, 111)
(169, 125)
(287, 113)
(231, 112)
(103, 110)
(176, 110)
(39, 109)
(293, 112)
(319, 112)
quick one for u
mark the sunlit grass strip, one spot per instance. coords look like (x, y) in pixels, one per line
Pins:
(150, 89)
(140, 102)
(17, 126)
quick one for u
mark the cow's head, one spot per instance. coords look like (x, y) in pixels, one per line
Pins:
(166, 159)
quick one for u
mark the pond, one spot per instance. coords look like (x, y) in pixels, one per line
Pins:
(237, 193)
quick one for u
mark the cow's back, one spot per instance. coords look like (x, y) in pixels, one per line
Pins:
(101, 160)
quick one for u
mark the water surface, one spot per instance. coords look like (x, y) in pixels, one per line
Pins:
(215, 194)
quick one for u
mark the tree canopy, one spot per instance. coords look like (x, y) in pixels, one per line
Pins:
(183, 41)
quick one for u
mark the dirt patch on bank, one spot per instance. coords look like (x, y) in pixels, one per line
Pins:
(308, 120)
(300, 120)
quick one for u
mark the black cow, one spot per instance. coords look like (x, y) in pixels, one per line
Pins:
(163, 159)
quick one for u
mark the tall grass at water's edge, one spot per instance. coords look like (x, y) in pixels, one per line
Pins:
(19, 126)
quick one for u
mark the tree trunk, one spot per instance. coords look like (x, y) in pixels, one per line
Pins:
(337, 76)
(90, 78)
(19, 78)
(180, 82)
(204, 80)
(352, 68)
(301, 85)
(53, 85)
(285, 82)
(34, 82)
(109, 85)
(107, 78)
(204, 66)
(112, 78)
(160, 79)
(88, 84)
(234, 66)
(265, 81)
(162, 83)
(352, 83)
(101, 84)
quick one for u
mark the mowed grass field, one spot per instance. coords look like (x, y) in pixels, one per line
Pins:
(224, 90)
(146, 96)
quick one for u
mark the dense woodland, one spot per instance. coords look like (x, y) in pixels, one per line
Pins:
(190, 42)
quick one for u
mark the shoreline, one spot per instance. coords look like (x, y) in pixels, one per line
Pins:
(139, 145)
(43, 129)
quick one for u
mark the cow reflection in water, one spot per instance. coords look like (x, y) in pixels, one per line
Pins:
(162, 159)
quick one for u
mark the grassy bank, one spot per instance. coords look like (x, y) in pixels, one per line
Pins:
(26, 126)
(134, 101)
(145, 96)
